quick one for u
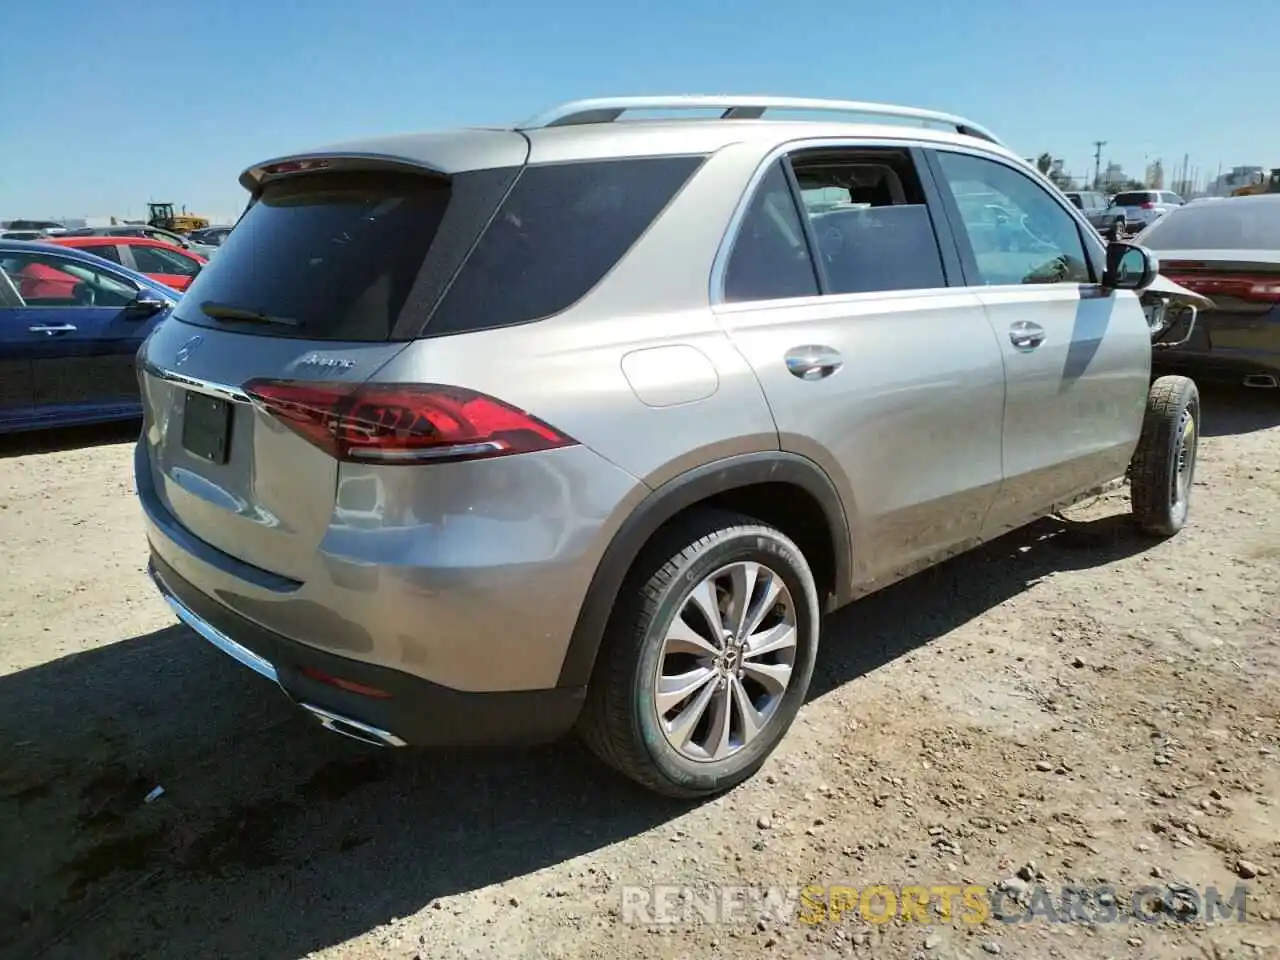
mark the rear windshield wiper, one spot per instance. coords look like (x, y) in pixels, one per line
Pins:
(223, 311)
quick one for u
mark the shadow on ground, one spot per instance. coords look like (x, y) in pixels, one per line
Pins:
(68, 438)
(274, 838)
(1228, 411)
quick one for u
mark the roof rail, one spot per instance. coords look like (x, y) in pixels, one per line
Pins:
(608, 109)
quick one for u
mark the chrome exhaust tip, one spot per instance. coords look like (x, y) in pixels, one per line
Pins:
(336, 723)
(1261, 381)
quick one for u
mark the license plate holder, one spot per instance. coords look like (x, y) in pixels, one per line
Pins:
(206, 427)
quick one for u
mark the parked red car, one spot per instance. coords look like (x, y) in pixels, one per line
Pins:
(167, 264)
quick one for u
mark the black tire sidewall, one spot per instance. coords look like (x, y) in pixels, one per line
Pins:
(783, 558)
(1159, 444)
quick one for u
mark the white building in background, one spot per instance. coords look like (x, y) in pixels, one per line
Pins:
(1155, 175)
(1114, 177)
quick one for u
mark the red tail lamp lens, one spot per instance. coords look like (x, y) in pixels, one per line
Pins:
(403, 423)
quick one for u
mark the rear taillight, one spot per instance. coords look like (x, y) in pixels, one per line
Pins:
(1240, 286)
(1148, 205)
(403, 423)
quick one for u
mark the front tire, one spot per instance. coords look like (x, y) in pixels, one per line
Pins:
(1163, 469)
(707, 658)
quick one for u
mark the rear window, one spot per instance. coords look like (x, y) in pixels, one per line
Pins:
(1222, 225)
(559, 231)
(1134, 199)
(323, 256)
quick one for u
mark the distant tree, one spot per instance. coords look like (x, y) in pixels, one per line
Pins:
(1047, 164)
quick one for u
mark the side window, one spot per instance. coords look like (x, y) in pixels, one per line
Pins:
(562, 227)
(107, 251)
(163, 260)
(1018, 232)
(770, 258)
(871, 226)
(47, 280)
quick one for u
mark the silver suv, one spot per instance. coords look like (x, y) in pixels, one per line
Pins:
(1141, 208)
(475, 437)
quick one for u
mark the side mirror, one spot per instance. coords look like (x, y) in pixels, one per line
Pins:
(1129, 266)
(146, 304)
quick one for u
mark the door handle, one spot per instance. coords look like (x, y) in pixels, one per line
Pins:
(813, 362)
(53, 329)
(1026, 335)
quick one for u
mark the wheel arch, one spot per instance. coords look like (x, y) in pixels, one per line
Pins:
(749, 483)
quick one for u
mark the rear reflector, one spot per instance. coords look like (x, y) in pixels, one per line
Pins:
(403, 423)
(1252, 289)
(351, 686)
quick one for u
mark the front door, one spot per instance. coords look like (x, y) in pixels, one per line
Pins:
(80, 334)
(836, 294)
(1077, 356)
(17, 366)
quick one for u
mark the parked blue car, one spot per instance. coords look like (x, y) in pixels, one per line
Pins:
(70, 326)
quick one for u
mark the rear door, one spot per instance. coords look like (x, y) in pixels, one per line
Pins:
(79, 332)
(837, 293)
(1077, 356)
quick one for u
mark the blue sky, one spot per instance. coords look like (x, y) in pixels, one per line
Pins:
(106, 105)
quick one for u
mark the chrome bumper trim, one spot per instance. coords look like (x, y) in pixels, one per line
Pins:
(213, 635)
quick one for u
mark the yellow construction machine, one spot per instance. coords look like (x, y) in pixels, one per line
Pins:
(161, 215)
(1264, 184)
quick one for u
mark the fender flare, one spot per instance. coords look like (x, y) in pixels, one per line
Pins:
(677, 494)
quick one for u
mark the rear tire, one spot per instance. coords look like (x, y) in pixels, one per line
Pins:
(659, 659)
(1162, 473)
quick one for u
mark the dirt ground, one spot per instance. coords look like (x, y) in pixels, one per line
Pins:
(1071, 705)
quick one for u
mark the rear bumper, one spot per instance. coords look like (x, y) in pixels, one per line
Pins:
(415, 712)
(1230, 354)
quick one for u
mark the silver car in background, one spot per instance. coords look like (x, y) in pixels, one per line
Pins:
(1142, 208)
(481, 436)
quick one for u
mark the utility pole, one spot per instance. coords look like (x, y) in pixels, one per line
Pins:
(1097, 162)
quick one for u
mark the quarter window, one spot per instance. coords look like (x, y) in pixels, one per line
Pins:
(107, 251)
(163, 260)
(1017, 231)
(770, 259)
(562, 227)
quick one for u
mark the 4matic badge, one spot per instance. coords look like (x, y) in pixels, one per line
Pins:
(320, 364)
